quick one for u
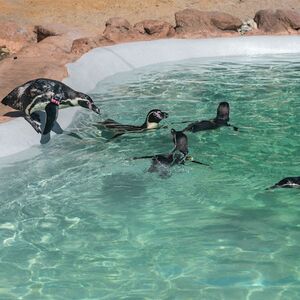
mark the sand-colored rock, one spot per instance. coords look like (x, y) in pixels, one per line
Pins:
(120, 30)
(289, 17)
(192, 21)
(224, 21)
(155, 28)
(83, 45)
(279, 21)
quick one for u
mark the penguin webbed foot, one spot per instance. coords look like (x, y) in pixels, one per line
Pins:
(45, 138)
(56, 128)
(111, 138)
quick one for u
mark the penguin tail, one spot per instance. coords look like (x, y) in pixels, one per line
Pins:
(4, 101)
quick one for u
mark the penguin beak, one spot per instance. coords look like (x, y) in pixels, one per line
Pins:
(164, 114)
(94, 108)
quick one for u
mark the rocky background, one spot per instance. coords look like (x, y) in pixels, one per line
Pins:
(38, 37)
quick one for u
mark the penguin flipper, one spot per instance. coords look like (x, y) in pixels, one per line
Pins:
(115, 136)
(51, 115)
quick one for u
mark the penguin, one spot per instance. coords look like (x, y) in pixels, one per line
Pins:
(288, 182)
(180, 142)
(152, 121)
(45, 95)
(221, 119)
(161, 163)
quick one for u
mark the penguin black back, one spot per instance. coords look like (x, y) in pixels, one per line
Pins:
(221, 119)
(288, 182)
(180, 141)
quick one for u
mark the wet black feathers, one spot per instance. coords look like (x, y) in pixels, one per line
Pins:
(221, 119)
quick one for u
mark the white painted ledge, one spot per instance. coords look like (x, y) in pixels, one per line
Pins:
(17, 135)
(100, 63)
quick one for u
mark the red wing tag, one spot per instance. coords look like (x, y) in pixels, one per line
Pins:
(54, 101)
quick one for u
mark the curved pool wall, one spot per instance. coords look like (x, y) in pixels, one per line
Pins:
(17, 135)
(100, 63)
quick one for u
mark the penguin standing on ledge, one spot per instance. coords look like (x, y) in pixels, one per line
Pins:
(152, 121)
(46, 95)
(221, 119)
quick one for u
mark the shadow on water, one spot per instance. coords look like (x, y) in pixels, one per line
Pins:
(123, 188)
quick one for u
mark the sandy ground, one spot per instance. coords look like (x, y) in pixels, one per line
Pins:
(92, 14)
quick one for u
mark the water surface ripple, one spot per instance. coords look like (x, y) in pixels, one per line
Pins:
(80, 220)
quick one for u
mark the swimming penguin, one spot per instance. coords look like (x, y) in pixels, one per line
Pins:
(45, 95)
(152, 121)
(288, 182)
(161, 163)
(221, 119)
(180, 141)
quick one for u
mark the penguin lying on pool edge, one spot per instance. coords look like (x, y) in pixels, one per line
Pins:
(45, 95)
(152, 121)
(220, 120)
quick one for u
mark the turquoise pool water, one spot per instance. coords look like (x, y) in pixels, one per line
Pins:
(81, 220)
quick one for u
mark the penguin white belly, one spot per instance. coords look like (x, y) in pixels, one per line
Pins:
(35, 106)
(152, 125)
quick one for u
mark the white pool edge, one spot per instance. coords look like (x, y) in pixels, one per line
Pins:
(101, 63)
(17, 135)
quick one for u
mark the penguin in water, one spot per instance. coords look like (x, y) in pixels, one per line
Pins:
(288, 182)
(180, 141)
(46, 95)
(221, 119)
(161, 163)
(152, 121)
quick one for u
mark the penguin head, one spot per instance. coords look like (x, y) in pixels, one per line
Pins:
(86, 101)
(153, 118)
(223, 111)
(180, 141)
